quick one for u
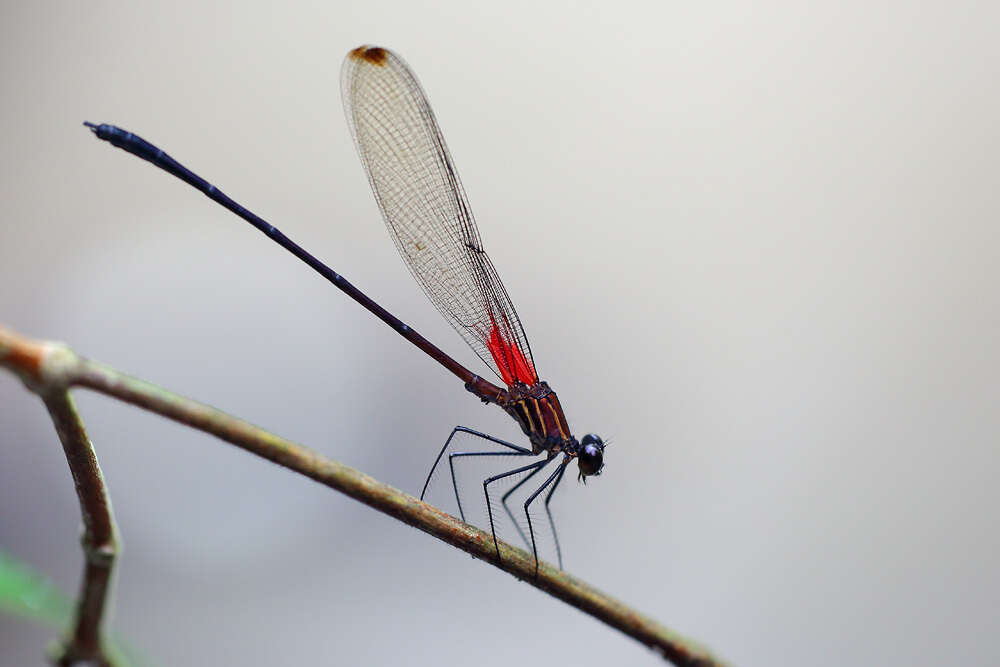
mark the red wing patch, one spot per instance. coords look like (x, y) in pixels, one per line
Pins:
(511, 362)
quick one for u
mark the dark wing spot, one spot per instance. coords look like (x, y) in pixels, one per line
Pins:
(374, 54)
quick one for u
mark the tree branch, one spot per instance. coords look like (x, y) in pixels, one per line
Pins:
(84, 643)
(47, 368)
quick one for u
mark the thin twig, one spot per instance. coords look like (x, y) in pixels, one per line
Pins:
(84, 643)
(50, 364)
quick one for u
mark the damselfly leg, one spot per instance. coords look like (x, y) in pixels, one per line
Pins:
(557, 475)
(517, 450)
(529, 537)
(548, 512)
(534, 467)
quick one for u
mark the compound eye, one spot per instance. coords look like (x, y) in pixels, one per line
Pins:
(591, 458)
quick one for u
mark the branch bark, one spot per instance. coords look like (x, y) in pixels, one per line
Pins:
(84, 642)
(50, 369)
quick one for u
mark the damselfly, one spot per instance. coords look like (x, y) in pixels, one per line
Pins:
(413, 177)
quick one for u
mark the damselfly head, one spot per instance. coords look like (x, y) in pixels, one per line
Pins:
(591, 456)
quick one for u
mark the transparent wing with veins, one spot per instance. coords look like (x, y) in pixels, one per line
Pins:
(425, 208)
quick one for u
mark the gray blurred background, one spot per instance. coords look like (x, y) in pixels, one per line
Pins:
(755, 244)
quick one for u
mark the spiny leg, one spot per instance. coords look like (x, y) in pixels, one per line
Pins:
(455, 455)
(486, 490)
(531, 530)
(552, 523)
(503, 501)
(447, 442)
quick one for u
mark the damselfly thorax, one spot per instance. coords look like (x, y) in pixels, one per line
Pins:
(537, 411)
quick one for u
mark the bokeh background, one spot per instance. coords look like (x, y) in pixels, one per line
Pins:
(754, 243)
